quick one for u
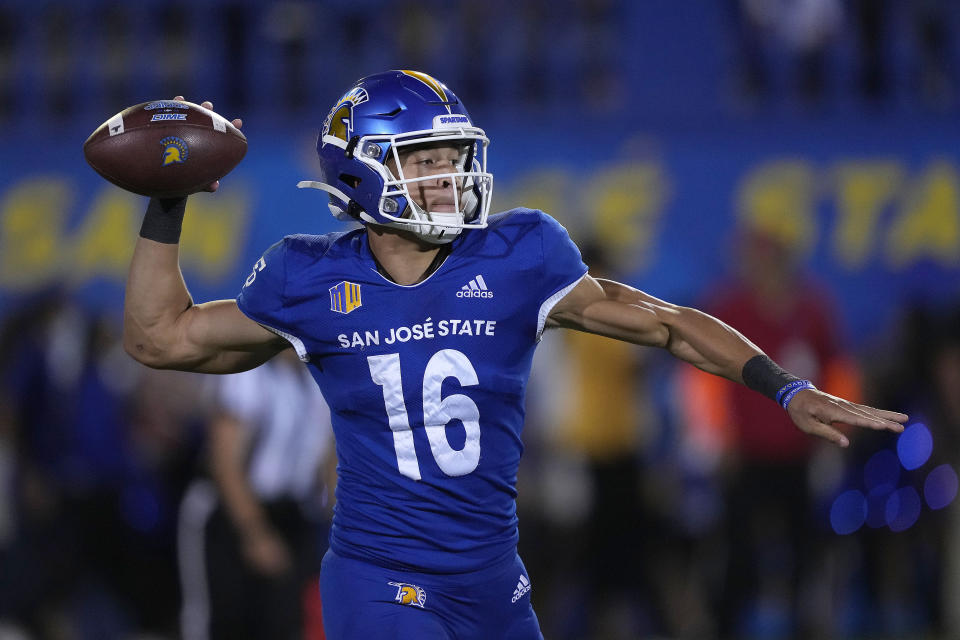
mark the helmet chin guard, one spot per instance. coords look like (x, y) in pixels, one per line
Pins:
(382, 116)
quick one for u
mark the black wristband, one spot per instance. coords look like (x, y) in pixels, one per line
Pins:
(764, 375)
(163, 220)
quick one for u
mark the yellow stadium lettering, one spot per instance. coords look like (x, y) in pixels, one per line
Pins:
(927, 226)
(627, 200)
(547, 189)
(863, 189)
(31, 228)
(213, 230)
(624, 203)
(778, 198)
(104, 243)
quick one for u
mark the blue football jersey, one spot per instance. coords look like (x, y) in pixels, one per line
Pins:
(425, 382)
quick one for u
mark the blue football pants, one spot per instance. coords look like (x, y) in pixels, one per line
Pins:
(362, 601)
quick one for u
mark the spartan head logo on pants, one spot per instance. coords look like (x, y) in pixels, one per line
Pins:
(409, 594)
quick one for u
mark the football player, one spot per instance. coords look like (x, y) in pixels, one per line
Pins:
(419, 327)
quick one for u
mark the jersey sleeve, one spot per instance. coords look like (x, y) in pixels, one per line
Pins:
(563, 266)
(263, 296)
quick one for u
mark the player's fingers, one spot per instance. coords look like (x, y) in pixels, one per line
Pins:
(876, 417)
(825, 431)
(854, 415)
(895, 416)
(213, 186)
(892, 416)
(237, 122)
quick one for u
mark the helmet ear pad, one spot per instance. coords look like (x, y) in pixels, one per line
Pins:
(358, 181)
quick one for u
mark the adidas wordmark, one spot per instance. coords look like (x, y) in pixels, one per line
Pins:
(476, 288)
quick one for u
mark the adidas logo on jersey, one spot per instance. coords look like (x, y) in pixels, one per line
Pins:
(523, 587)
(476, 288)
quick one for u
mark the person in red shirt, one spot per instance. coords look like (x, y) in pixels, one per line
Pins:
(769, 527)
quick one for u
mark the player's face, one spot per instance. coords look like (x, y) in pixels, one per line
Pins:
(434, 160)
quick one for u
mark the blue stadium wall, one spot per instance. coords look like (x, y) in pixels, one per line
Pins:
(872, 206)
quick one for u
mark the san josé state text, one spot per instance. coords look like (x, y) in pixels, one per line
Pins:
(426, 330)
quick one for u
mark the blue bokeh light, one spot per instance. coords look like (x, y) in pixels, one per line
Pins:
(903, 508)
(848, 512)
(914, 446)
(940, 487)
(883, 468)
(877, 505)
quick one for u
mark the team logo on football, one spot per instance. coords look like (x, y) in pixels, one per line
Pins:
(345, 297)
(175, 151)
(409, 594)
(340, 121)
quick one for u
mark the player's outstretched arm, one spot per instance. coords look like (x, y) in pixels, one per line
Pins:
(618, 311)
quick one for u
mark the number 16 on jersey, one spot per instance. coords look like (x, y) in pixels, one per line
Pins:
(437, 411)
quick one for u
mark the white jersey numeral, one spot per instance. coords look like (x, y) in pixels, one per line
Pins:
(438, 411)
(259, 266)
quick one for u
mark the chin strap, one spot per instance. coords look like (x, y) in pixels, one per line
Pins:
(421, 219)
(338, 212)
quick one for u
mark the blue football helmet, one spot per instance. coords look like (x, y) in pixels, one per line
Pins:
(382, 115)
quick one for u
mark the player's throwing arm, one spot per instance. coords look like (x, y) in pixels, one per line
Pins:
(169, 149)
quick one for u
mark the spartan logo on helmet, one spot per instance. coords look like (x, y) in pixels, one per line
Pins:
(340, 121)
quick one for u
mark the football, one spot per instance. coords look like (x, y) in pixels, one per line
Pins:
(165, 148)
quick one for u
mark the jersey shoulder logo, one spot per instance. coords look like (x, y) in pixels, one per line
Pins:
(258, 267)
(476, 288)
(409, 594)
(345, 297)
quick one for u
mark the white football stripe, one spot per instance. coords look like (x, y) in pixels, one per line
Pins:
(115, 125)
(219, 122)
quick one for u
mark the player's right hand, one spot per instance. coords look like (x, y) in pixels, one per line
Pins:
(237, 122)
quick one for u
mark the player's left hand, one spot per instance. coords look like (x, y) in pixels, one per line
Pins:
(815, 412)
(265, 551)
(237, 122)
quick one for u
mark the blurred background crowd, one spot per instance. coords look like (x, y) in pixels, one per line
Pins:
(790, 166)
